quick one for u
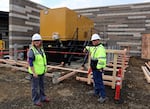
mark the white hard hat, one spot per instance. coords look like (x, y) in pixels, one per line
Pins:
(95, 37)
(36, 36)
(55, 36)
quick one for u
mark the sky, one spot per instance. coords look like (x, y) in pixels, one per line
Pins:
(75, 4)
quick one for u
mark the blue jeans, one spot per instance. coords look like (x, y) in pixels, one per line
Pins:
(99, 87)
(37, 87)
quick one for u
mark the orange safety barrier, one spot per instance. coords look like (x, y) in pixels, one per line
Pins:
(89, 71)
(118, 85)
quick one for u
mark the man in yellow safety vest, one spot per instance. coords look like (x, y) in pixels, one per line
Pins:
(98, 62)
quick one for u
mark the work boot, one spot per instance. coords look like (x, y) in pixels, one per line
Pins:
(102, 100)
(46, 100)
(38, 104)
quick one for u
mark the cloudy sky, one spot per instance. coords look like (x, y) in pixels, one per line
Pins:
(74, 4)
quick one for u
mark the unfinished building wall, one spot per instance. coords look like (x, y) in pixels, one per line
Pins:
(24, 17)
(121, 25)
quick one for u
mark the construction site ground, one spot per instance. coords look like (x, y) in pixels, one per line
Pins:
(15, 91)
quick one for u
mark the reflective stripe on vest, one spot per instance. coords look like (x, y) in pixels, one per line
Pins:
(39, 63)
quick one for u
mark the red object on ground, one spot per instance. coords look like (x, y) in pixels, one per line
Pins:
(118, 84)
(89, 71)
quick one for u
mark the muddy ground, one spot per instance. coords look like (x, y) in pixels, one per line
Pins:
(71, 94)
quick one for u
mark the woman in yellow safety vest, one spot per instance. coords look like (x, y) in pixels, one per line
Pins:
(98, 62)
(37, 68)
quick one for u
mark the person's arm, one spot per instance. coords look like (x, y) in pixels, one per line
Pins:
(31, 60)
(86, 49)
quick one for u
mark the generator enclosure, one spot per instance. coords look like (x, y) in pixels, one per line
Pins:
(66, 23)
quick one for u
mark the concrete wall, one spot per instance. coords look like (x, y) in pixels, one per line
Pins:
(23, 22)
(121, 25)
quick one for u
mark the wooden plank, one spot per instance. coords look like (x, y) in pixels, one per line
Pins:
(147, 76)
(66, 76)
(49, 69)
(68, 69)
(49, 74)
(118, 65)
(14, 67)
(108, 77)
(86, 79)
(147, 65)
(13, 62)
(89, 76)
(109, 69)
(115, 51)
(114, 70)
(119, 62)
(120, 59)
(123, 65)
(8, 61)
(22, 64)
(127, 57)
(89, 70)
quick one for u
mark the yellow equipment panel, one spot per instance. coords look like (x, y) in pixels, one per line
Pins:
(60, 20)
(65, 22)
(2, 45)
(85, 26)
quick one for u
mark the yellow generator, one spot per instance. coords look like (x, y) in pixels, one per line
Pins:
(63, 29)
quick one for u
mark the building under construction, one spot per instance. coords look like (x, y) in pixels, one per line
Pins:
(124, 30)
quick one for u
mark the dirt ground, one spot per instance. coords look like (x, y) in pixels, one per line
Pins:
(15, 91)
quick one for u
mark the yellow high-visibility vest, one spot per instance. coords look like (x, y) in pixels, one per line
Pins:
(98, 53)
(40, 63)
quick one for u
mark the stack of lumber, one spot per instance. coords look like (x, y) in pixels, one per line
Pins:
(57, 72)
(60, 73)
(146, 71)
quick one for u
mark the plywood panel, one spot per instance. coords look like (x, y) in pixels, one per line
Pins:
(146, 46)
